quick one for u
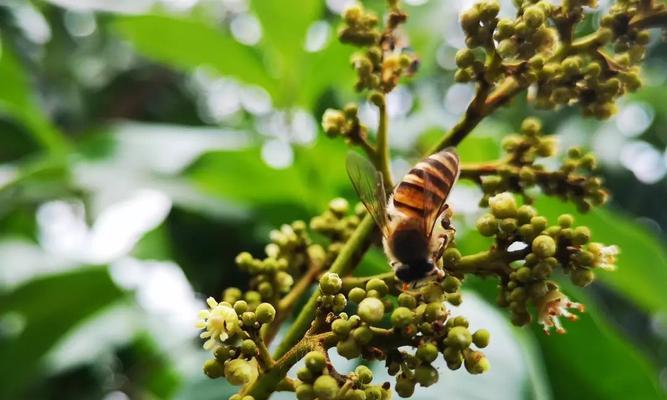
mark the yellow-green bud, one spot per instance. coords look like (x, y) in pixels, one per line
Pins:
(330, 283)
(459, 337)
(401, 317)
(348, 348)
(426, 375)
(362, 335)
(377, 284)
(464, 58)
(305, 392)
(481, 338)
(356, 295)
(451, 284)
(315, 361)
(213, 369)
(404, 387)
(427, 352)
(581, 235)
(305, 375)
(503, 205)
(240, 372)
(544, 246)
(582, 277)
(487, 225)
(364, 374)
(248, 348)
(407, 300)
(265, 313)
(325, 387)
(538, 223)
(565, 220)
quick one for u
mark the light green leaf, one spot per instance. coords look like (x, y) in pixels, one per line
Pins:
(44, 310)
(189, 43)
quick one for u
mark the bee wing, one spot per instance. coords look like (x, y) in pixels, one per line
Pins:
(439, 176)
(368, 184)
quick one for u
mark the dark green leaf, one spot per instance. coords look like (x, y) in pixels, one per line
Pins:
(48, 308)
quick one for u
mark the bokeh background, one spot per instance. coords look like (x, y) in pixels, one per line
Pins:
(144, 143)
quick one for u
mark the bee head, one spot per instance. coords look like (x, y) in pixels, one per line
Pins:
(414, 271)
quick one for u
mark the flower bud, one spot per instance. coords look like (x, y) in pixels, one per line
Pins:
(364, 374)
(481, 338)
(371, 310)
(544, 246)
(248, 348)
(325, 387)
(362, 335)
(356, 295)
(459, 337)
(581, 235)
(377, 284)
(582, 277)
(487, 225)
(401, 317)
(426, 375)
(405, 387)
(330, 283)
(503, 205)
(451, 284)
(407, 300)
(265, 313)
(305, 392)
(213, 369)
(464, 58)
(240, 372)
(427, 352)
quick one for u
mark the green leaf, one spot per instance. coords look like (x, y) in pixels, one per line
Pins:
(189, 43)
(16, 100)
(642, 264)
(592, 361)
(47, 308)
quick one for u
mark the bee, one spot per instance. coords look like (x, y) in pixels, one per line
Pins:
(407, 219)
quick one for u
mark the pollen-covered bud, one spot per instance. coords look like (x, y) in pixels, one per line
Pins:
(265, 313)
(371, 310)
(604, 256)
(553, 305)
(325, 387)
(330, 283)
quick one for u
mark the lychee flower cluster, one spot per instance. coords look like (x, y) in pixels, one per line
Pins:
(520, 171)
(386, 318)
(539, 251)
(538, 49)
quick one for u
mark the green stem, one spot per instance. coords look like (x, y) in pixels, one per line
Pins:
(360, 281)
(382, 144)
(348, 258)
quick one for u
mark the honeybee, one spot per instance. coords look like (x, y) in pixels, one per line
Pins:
(408, 218)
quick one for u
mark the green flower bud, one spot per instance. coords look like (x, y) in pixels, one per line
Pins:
(339, 302)
(460, 321)
(315, 361)
(547, 146)
(240, 307)
(542, 270)
(582, 277)
(476, 363)
(451, 256)
(248, 348)
(305, 392)
(325, 387)
(355, 394)
(544, 246)
(503, 205)
(488, 9)
(213, 369)
(534, 16)
(240, 372)
(454, 299)
(508, 225)
(463, 75)
(284, 281)
(356, 295)
(373, 393)
(341, 328)
(539, 223)
(305, 375)
(253, 297)
(531, 126)
(248, 318)
(371, 310)
(405, 387)
(377, 284)
(487, 225)
(504, 29)
(265, 289)
(434, 311)
(431, 292)
(232, 294)
(581, 235)
(265, 313)
(523, 274)
(507, 48)
(364, 374)
(426, 375)
(427, 352)
(459, 337)
(407, 300)
(464, 58)
(362, 335)
(565, 220)
(470, 19)
(451, 284)
(330, 283)
(401, 317)
(481, 338)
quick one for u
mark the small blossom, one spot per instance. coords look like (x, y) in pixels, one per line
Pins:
(553, 306)
(605, 256)
(219, 322)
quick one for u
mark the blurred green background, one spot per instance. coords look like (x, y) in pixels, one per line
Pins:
(144, 143)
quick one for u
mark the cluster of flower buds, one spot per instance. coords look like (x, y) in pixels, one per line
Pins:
(538, 48)
(383, 62)
(288, 255)
(231, 332)
(345, 123)
(337, 223)
(526, 272)
(518, 172)
(318, 380)
(387, 318)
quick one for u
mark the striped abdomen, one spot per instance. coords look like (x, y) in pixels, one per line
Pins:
(425, 188)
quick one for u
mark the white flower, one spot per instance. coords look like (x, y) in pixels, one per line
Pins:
(605, 256)
(553, 306)
(220, 322)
